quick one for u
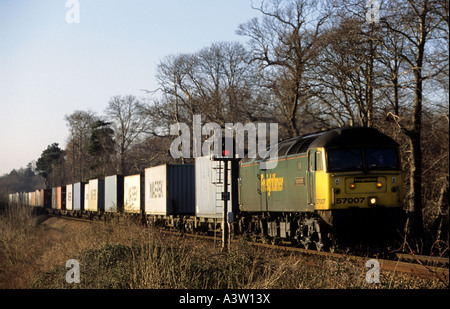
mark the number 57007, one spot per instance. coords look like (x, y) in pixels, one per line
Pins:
(350, 200)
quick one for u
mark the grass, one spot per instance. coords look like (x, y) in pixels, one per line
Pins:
(124, 255)
(16, 225)
(168, 262)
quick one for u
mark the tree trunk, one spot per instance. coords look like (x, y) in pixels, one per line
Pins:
(415, 228)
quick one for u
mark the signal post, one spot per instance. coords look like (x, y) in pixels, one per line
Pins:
(227, 156)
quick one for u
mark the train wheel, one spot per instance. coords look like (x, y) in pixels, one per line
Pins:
(303, 233)
(309, 234)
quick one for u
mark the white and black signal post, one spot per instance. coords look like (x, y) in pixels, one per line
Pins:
(228, 217)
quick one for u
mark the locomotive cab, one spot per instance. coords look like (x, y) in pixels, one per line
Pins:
(358, 192)
(362, 177)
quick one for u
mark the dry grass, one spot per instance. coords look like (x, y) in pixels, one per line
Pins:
(16, 224)
(170, 262)
(122, 254)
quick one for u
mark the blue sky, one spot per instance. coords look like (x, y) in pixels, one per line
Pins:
(50, 68)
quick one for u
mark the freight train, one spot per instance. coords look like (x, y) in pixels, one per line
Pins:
(334, 188)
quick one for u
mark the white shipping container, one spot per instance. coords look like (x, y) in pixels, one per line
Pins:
(169, 189)
(69, 195)
(78, 196)
(93, 195)
(209, 185)
(38, 198)
(54, 199)
(132, 193)
(114, 193)
(96, 195)
(86, 196)
(155, 190)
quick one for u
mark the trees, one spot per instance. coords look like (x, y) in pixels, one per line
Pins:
(224, 83)
(21, 180)
(78, 159)
(285, 44)
(217, 82)
(100, 145)
(101, 148)
(130, 122)
(419, 23)
(51, 165)
(347, 73)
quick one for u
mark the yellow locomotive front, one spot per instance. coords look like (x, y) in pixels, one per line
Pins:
(363, 177)
(359, 186)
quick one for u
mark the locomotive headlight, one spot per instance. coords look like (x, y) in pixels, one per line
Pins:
(379, 185)
(373, 200)
(352, 186)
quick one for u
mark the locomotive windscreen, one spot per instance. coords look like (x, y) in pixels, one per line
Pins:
(364, 158)
(381, 158)
(345, 159)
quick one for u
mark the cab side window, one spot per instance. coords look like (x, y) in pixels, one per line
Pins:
(319, 164)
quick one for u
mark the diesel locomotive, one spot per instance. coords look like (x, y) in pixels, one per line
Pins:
(328, 189)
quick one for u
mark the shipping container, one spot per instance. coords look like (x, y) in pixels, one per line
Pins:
(54, 198)
(86, 196)
(33, 198)
(46, 198)
(69, 197)
(209, 185)
(78, 196)
(61, 197)
(133, 193)
(38, 198)
(170, 189)
(96, 194)
(114, 193)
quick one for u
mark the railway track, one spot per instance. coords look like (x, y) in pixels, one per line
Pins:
(396, 266)
(424, 259)
(416, 265)
(414, 268)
